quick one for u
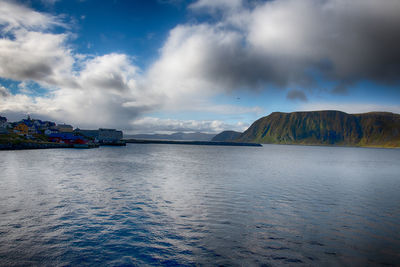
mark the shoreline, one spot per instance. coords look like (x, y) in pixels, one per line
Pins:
(31, 145)
(335, 145)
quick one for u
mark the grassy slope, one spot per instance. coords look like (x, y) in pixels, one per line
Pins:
(375, 129)
(226, 136)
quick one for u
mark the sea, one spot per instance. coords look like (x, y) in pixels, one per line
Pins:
(184, 205)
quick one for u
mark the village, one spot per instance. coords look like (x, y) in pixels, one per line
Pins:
(35, 133)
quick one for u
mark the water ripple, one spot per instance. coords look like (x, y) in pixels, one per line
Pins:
(151, 205)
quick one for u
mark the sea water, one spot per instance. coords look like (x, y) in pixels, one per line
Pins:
(149, 204)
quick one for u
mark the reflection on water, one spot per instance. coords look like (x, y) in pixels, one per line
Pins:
(194, 205)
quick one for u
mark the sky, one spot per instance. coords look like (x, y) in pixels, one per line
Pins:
(160, 66)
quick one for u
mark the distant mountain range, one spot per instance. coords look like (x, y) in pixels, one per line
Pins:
(175, 136)
(374, 129)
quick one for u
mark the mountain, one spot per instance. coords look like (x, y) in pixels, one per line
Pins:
(226, 136)
(175, 136)
(374, 129)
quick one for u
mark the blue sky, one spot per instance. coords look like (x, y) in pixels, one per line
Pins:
(174, 65)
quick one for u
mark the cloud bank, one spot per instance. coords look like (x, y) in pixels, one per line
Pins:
(151, 124)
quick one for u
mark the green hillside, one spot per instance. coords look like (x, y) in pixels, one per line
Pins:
(226, 136)
(375, 129)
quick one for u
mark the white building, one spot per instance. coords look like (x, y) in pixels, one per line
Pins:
(109, 135)
(102, 135)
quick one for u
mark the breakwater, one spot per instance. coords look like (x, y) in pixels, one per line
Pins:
(197, 143)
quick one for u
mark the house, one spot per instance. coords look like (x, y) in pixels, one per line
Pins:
(109, 135)
(32, 128)
(21, 129)
(64, 128)
(102, 135)
(43, 125)
(3, 125)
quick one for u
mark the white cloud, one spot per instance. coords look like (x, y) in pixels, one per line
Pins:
(15, 102)
(228, 109)
(106, 94)
(113, 72)
(4, 92)
(152, 124)
(28, 51)
(197, 62)
(216, 4)
(37, 56)
(14, 16)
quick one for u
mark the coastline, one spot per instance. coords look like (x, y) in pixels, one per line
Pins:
(45, 145)
(31, 145)
(334, 145)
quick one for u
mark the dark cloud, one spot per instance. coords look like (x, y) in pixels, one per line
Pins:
(293, 42)
(110, 81)
(296, 95)
(367, 41)
(341, 89)
(37, 71)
